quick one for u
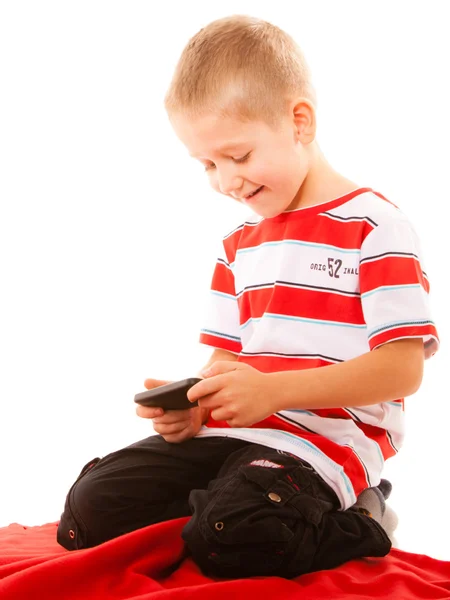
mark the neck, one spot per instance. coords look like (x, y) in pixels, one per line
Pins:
(322, 182)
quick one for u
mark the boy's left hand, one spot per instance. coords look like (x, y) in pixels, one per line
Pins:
(235, 392)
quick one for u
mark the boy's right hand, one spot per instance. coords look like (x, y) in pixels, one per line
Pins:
(175, 426)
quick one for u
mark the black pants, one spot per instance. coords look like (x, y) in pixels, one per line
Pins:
(254, 510)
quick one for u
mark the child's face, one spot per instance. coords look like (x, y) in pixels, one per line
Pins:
(241, 158)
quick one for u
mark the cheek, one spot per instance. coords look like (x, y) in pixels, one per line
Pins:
(212, 180)
(286, 173)
(263, 173)
(274, 176)
(274, 170)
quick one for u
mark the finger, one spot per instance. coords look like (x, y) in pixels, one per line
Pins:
(222, 414)
(177, 438)
(206, 387)
(222, 366)
(170, 429)
(149, 412)
(210, 402)
(149, 384)
(174, 416)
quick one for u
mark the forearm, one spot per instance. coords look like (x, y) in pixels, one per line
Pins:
(390, 372)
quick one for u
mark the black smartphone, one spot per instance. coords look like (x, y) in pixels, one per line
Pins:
(172, 396)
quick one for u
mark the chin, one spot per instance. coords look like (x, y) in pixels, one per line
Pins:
(268, 214)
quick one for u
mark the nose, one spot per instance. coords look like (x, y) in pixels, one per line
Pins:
(229, 180)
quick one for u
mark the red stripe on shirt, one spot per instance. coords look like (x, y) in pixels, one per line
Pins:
(380, 436)
(298, 302)
(220, 342)
(223, 280)
(273, 364)
(347, 235)
(407, 331)
(391, 270)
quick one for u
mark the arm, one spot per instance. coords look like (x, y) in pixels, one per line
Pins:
(239, 394)
(389, 372)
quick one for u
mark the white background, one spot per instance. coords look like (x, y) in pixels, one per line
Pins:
(108, 230)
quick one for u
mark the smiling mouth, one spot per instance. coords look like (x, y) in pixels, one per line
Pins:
(253, 194)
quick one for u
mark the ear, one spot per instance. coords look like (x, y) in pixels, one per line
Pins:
(303, 116)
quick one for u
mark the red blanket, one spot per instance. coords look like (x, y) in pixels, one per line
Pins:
(150, 564)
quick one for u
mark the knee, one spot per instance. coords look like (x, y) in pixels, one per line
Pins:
(94, 511)
(82, 521)
(245, 539)
(108, 500)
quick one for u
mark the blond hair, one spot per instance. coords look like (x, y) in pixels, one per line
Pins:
(239, 66)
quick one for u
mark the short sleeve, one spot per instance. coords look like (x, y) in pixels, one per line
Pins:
(221, 324)
(395, 288)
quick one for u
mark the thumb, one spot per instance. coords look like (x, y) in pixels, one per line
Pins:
(149, 384)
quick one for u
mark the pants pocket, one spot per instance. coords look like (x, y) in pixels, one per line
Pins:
(240, 527)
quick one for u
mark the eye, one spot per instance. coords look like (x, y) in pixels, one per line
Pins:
(242, 159)
(239, 160)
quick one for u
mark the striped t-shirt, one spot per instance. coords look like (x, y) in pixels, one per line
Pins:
(314, 287)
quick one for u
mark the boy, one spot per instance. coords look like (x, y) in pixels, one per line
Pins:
(328, 274)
